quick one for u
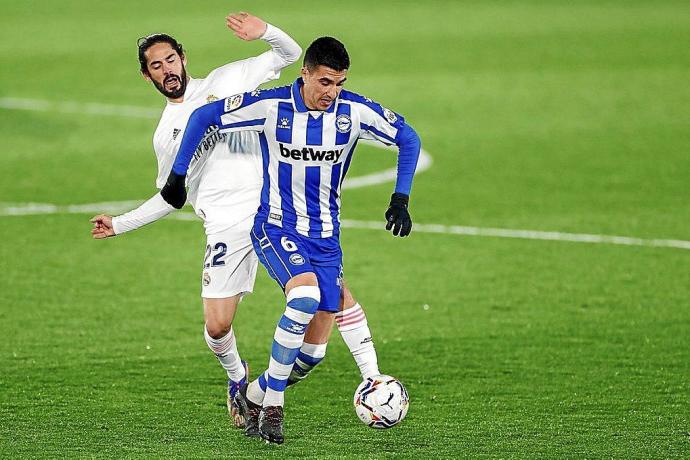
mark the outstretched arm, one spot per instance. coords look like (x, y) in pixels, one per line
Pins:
(151, 210)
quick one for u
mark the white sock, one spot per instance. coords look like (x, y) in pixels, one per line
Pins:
(257, 389)
(225, 350)
(353, 327)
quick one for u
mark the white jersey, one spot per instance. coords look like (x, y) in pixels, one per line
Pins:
(226, 173)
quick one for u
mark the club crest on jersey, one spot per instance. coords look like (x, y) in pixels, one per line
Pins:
(343, 124)
(211, 98)
(390, 116)
(207, 279)
(233, 102)
(296, 259)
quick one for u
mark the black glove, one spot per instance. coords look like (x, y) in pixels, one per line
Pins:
(173, 192)
(397, 216)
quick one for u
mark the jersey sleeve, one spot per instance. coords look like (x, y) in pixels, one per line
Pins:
(150, 211)
(377, 122)
(241, 112)
(383, 125)
(259, 69)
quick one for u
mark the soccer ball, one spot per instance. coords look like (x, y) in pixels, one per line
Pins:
(381, 401)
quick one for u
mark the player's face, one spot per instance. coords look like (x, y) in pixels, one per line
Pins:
(166, 70)
(322, 85)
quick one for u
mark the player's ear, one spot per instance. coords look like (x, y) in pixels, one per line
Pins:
(145, 75)
(184, 60)
(304, 72)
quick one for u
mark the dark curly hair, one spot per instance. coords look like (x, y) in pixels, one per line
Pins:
(144, 43)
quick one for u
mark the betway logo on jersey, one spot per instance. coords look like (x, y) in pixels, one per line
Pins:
(309, 154)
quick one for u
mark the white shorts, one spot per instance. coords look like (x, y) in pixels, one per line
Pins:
(229, 265)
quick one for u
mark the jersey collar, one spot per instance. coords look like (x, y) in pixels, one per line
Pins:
(299, 102)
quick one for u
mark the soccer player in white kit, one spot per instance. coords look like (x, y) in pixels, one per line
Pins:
(224, 185)
(226, 174)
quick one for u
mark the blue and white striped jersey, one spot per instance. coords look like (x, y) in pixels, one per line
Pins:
(306, 153)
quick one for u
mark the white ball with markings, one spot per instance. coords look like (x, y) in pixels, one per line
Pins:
(381, 401)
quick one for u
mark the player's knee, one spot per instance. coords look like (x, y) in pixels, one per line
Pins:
(217, 329)
(304, 299)
(303, 279)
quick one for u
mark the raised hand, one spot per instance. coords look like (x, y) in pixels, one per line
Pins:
(245, 26)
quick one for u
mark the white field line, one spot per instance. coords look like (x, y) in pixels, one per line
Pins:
(117, 207)
(88, 108)
(425, 161)
(40, 105)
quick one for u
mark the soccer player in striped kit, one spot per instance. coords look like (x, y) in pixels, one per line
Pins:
(308, 132)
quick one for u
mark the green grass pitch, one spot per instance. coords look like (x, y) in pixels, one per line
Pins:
(539, 115)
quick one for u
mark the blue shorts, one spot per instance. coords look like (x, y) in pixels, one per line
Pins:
(285, 253)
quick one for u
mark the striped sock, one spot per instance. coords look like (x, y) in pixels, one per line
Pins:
(354, 329)
(225, 350)
(302, 302)
(308, 357)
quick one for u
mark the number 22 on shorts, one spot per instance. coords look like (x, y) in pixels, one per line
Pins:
(218, 251)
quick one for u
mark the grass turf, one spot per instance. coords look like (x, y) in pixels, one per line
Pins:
(538, 115)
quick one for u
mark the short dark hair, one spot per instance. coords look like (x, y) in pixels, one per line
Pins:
(144, 43)
(329, 52)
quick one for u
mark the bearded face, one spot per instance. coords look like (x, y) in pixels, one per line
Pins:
(173, 86)
(166, 70)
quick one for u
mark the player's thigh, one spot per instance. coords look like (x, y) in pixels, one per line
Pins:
(229, 271)
(326, 257)
(229, 267)
(319, 328)
(285, 254)
(330, 286)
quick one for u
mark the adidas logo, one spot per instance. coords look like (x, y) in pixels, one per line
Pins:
(176, 132)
